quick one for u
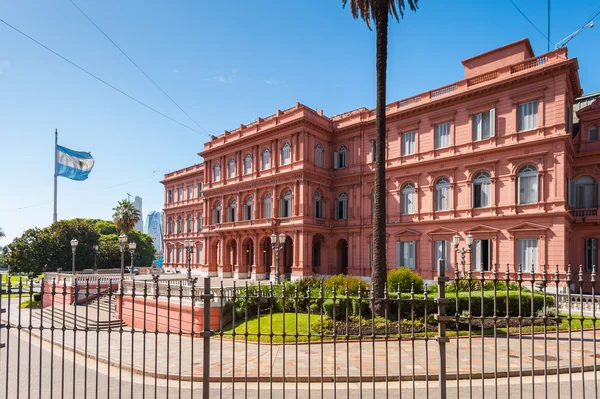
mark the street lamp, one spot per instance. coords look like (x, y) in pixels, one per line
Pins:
(277, 246)
(189, 247)
(95, 247)
(463, 251)
(74, 243)
(122, 243)
(132, 246)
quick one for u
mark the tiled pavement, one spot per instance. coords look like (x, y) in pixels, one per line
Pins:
(168, 355)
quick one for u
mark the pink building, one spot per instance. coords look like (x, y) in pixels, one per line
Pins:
(496, 154)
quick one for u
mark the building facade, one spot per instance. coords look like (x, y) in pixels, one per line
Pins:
(494, 155)
(139, 226)
(155, 229)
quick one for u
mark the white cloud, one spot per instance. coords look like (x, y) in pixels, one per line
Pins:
(273, 81)
(175, 70)
(227, 79)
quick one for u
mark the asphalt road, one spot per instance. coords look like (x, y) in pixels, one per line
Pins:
(36, 371)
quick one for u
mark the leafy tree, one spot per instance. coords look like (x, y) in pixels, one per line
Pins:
(2, 235)
(378, 11)
(64, 231)
(126, 215)
(30, 253)
(109, 252)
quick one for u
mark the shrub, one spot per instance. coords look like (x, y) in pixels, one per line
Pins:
(340, 281)
(404, 279)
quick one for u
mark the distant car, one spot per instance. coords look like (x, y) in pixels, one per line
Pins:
(135, 270)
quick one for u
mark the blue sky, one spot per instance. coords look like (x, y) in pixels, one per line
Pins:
(225, 63)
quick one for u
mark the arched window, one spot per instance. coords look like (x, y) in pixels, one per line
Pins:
(285, 204)
(199, 223)
(319, 206)
(341, 207)
(170, 226)
(248, 209)
(527, 181)
(586, 193)
(340, 158)
(442, 194)
(286, 154)
(593, 133)
(319, 155)
(482, 189)
(217, 213)
(248, 164)
(217, 171)
(232, 211)
(408, 199)
(266, 159)
(267, 206)
(231, 172)
(190, 224)
(179, 227)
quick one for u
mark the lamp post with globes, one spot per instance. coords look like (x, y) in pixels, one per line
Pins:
(277, 246)
(462, 251)
(189, 247)
(132, 247)
(122, 243)
(74, 243)
(95, 248)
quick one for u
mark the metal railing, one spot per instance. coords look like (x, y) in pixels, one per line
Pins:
(581, 213)
(469, 335)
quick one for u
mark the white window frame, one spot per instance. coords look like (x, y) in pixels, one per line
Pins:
(248, 164)
(319, 155)
(179, 254)
(408, 143)
(478, 256)
(528, 185)
(527, 116)
(231, 169)
(484, 125)
(482, 180)
(408, 198)
(217, 172)
(442, 135)
(180, 194)
(286, 153)
(527, 254)
(341, 207)
(442, 194)
(441, 249)
(591, 253)
(266, 159)
(406, 254)
(199, 254)
(268, 206)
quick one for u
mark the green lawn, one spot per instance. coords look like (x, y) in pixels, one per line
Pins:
(303, 326)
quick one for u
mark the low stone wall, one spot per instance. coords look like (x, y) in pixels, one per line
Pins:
(66, 293)
(162, 315)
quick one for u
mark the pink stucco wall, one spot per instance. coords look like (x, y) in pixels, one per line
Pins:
(242, 246)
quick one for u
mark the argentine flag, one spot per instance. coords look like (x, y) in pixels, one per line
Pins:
(74, 165)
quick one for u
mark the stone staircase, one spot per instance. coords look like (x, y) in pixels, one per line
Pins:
(97, 314)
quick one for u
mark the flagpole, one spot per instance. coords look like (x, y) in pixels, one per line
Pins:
(55, 172)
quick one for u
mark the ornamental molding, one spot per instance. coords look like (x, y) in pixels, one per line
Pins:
(587, 170)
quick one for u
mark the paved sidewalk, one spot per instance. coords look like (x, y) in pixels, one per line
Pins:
(169, 355)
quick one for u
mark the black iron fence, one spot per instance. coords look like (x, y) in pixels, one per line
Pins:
(498, 334)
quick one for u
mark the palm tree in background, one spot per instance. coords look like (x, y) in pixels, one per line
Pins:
(126, 216)
(2, 235)
(378, 11)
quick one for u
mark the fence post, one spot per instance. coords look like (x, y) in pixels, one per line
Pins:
(441, 317)
(2, 310)
(207, 297)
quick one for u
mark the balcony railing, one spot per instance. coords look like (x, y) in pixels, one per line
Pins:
(582, 213)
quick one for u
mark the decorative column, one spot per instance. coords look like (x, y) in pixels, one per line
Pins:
(241, 266)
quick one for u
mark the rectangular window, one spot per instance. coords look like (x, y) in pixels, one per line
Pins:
(481, 255)
(231, 169)
(319, 156)
(408, 143)
(481, 195)
(405, 254)
(169, 196)
(266, 160)
(483, 125)
(190, 192)
(528, 192)
(408, 206)
(442, 135)
(179, 253)
(267, 209)
(527, 251)
(527, 116)
(341, 209)
(180, 194)
(199, 255)
(373, 151)
(319, 209)
(199, 189)
(442, 198)
(286, 155)
(442, 251)
(284, 211)
(247, 212)
(247, 165)
(170, 255)
(591, 254)
(199, 223)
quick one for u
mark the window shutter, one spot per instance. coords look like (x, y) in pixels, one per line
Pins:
(398, 253)
(337, 209)
(485, 194)
(493, 122)
(281, 207)
(412, 255)
(345, 209)
(373, 149)
(336, 160)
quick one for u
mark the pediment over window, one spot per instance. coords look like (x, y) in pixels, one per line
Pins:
(482, 229)
(527, 227)
(441, 231)
(590, 109)
(408, 232)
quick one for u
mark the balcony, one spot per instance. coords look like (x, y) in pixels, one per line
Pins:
(585, 214)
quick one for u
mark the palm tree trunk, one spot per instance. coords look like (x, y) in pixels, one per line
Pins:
(379, 270)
